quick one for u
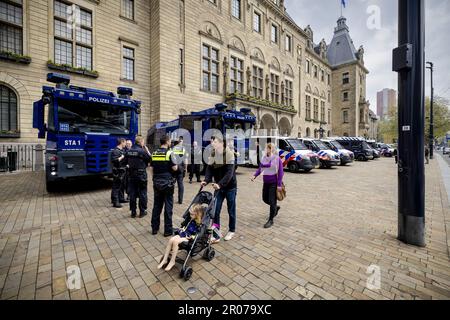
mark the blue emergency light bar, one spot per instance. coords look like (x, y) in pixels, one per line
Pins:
(58, 78)
(125, 91)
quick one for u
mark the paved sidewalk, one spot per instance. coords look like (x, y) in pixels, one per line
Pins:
(331, 228)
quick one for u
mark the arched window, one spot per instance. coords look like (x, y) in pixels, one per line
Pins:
(308, 132)
(8, 110)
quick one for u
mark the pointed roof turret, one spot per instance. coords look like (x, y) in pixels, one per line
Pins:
(341, 49)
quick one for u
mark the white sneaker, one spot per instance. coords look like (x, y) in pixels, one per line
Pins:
(229, 236)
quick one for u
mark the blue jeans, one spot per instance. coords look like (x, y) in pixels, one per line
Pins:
(230, 195)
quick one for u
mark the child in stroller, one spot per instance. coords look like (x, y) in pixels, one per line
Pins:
(194, 236)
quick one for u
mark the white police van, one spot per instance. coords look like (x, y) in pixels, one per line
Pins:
(347, 156)
(328, 158)
(293, 153)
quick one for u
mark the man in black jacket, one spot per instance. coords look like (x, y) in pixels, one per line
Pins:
(138, 158)
(119, 171)
(221, 168)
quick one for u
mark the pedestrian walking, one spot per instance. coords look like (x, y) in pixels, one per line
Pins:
(195, 160)
(396, 155)
(119, 171)
(221, 169)
(271, 168)
(427, 154)
(164, 167)
(138, 158)
(180, 153)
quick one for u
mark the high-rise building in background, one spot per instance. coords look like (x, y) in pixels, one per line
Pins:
(386, 101)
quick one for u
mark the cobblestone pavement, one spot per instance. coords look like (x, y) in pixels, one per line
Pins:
(331, 228)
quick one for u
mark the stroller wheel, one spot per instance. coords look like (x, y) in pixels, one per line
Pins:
(209, 254)
(186, 273)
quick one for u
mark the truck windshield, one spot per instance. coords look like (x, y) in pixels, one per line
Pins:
(238, 125)
(337, 145)
(297, 145)
(81, 117)
(365, 145)
(320, 145)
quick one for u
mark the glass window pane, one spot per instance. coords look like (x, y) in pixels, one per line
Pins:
(63, 52)
(205, 51)
(215, 83)
(11, 13)
(128, 9)
(84, 57)
(205, 81)
(85, 18)
(214, 54)
(206, 64)
(63, 29)
(214, 67)
(84, 36)
(62, 10)
(11, 39)
(128, 52)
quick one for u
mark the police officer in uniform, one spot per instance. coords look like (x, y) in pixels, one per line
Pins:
(119, 171)
(138, 158)
(180, 154)
(164, 167)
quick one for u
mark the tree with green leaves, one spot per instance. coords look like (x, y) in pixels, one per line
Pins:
(388, 128)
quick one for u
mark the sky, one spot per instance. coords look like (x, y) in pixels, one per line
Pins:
(374, 24)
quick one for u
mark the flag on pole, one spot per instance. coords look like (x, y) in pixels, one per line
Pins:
(343, 3)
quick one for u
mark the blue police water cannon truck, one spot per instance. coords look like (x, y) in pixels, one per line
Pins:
(82, 128)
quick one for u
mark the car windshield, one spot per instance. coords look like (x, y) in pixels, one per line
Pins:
(365, 145)
(82, 117)
(297, 144)
(321, 145)
(336, 145)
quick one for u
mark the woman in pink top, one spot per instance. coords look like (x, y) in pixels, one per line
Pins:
(272, 169)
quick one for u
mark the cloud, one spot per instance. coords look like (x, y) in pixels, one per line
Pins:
(379, 43)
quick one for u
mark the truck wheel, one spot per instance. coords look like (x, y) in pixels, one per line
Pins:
(361, 158)
(293, 167)
(51, 186)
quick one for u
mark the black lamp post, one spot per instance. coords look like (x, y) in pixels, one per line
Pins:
(430, 66)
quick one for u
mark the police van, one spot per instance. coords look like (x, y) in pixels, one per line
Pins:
(294, 154)
(328, 158)
(359, 146)
(346, 156)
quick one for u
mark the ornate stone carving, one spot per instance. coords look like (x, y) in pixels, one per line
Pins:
(249, 81)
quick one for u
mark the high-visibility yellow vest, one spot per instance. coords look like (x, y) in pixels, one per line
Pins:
(159, 156)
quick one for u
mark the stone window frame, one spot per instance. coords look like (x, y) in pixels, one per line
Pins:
(182, 67)
(345, 96)
(322, 110)
(234, 69)
(308, 107)
(22, 27)
(261, 25)
(233, 8)
(275, 25)
(122, 10)
(345, 118)
(329, 116)
(75, 43)
(258, 90)
(133, 59)
(288, 92)
(11, 92)
(322, 75)
(274, 87)
(209, 71)
(345, 78)
(291, 42)
(316, 109)
(308, 67)
(316, 71)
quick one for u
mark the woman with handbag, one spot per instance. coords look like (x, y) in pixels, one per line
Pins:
(271, 168)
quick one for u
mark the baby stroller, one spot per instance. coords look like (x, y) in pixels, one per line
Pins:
(202, 241)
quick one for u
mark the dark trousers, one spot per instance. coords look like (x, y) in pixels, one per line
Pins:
(138, 189)
(163, 199)
(194, 169)
(117, 192)
(180, 184)
(270, 198)
(230, 195)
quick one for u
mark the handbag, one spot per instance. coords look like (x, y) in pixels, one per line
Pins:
(281, 194)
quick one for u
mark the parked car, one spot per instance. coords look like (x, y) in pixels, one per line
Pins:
(358, 146)
(328, 158)
(446, 150)
(294, 154)
(387, 150)
(347, 156)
